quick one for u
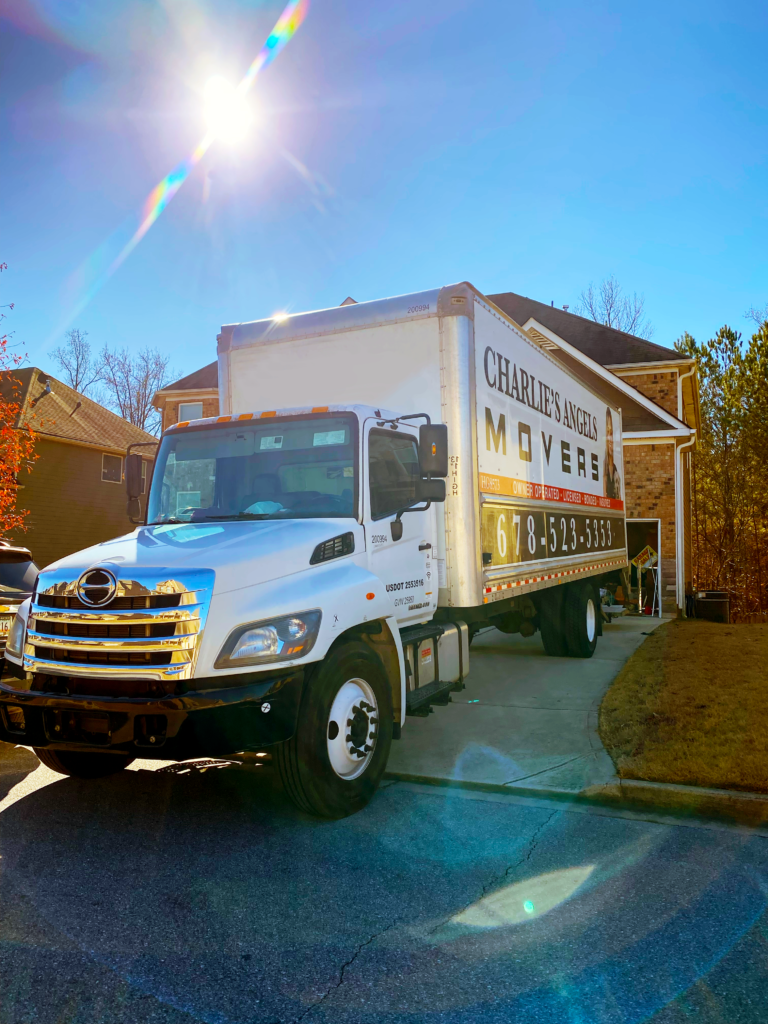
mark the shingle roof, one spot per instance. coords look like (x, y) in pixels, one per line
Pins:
(200, 380)
(605, 345)
(66, 414)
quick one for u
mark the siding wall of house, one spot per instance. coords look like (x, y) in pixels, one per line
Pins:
(70, 507)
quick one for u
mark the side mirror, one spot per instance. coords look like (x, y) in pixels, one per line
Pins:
(433, 451)
(133, 476)
(134, 510)
(430, 490)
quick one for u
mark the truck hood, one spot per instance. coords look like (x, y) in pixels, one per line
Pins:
(240, 553)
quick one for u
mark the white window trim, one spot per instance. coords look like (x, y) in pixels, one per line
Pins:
(111, 455)
(186, 417)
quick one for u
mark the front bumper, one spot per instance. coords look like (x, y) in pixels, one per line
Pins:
(201, 723)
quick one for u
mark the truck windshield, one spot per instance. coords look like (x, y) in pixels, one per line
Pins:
(297, 468)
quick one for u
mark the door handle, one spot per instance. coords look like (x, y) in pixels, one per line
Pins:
(425, 547)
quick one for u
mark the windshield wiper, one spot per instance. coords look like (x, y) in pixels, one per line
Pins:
(163, 522)
(239, 515)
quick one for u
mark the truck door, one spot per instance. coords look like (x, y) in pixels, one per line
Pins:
(405, 566)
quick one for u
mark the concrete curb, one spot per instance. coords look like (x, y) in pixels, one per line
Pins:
(729, 804)
(631, 794)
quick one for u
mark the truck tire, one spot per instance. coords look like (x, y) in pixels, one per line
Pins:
(581, 612)
(552, 622)
(82, 765)
(332, 765)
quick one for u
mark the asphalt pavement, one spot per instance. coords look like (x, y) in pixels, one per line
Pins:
(185, 897)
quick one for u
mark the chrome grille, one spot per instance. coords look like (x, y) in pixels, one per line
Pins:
(150, 630)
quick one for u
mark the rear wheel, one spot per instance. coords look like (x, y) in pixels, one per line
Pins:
(333, 764)
(552, 623)
(581, 627)
(82, 765)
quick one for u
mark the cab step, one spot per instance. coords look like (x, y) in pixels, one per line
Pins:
(418, 702)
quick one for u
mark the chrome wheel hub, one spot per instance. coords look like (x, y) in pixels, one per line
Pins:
(353, 726)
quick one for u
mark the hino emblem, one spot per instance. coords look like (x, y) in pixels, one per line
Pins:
(97, 587)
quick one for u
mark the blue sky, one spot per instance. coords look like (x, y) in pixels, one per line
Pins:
(525, 146)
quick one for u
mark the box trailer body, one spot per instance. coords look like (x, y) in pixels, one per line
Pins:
(526, 437)
(383, 480)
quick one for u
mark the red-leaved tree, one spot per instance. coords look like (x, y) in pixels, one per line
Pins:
(17, 442)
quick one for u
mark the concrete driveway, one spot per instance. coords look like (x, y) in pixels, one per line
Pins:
(524, 720)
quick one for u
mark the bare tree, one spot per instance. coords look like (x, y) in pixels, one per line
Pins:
(78, 367)
(131, 382)
(758, 315)
(608, 305)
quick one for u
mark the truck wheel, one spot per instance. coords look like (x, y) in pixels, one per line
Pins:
(552, 623)
(581, 611)
(553, 633)
(333, 764)
(83, 766)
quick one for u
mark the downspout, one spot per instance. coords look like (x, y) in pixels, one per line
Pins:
(680, 379)
(680, 524)
(679, 508)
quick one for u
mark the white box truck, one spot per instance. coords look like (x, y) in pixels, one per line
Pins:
(385, 478)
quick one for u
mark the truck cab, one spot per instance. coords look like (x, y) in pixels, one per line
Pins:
(268, 604)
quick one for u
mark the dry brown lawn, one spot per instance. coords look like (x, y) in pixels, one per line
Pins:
(691, 706)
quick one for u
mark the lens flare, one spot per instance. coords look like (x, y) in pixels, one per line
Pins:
(229, 115)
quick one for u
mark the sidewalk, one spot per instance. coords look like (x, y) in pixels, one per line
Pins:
(524, 719)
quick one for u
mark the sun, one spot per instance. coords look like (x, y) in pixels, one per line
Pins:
(227, 114)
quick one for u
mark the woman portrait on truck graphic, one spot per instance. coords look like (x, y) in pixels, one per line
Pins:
(611, 478)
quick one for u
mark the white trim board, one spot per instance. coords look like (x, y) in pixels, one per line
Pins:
(613, 379)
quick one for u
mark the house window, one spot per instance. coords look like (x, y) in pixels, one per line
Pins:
(112, 469)
(190, 411)
(143, 477)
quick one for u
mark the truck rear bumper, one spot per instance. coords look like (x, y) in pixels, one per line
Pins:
(199, 723)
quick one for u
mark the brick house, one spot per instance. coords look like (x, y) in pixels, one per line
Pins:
(190, 398)
(657, 391)
(75, 492)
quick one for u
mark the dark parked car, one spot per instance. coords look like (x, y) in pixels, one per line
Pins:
(17, 580)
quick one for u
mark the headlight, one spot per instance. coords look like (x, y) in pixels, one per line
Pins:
(258, 643)
(15, 645)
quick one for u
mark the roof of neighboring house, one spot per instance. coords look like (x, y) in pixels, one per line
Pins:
(605, 345)
(64, 413)
(200, 380)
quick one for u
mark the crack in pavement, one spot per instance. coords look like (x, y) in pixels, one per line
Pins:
(532, 844)
(549, 768)
(342, 972)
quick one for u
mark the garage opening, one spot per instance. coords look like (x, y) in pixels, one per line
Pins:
(644, 575)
